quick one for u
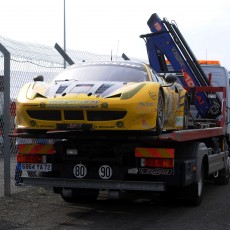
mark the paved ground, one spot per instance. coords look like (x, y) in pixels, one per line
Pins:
(39, 208)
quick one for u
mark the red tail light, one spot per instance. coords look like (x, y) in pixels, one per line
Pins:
(29, 158)
(157, 163)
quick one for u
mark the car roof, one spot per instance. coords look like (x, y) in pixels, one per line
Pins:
(130, 64)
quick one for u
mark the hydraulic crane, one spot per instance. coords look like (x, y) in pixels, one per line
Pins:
(167, 43)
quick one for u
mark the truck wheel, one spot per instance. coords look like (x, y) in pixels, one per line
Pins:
(73, 195)
(160, 114)
(195, 190)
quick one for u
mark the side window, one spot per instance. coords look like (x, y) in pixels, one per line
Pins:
(157, 77)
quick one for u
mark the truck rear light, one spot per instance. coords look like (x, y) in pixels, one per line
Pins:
(155, 157)
(71, 152)
(36, 149)
(29, 158)
(167, 153)
(157, 163)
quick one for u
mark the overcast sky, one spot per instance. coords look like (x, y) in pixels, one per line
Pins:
(100, 26)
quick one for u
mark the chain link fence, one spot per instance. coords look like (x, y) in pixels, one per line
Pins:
(27, 61)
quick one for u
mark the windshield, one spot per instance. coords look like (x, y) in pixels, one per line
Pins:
(103, 73)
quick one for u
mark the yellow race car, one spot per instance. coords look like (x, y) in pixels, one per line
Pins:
(111, 95)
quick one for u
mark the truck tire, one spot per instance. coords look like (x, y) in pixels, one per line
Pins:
(160, 114)
(73, 195)
(194, 193)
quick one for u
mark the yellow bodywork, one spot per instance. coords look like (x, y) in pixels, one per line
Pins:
(133, 107)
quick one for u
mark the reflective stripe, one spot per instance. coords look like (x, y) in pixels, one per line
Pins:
(35, 149)
(154, 152)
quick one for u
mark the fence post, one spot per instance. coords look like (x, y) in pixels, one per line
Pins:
(6, 120)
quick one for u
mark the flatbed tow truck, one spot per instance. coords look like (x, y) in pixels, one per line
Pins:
(177, 162)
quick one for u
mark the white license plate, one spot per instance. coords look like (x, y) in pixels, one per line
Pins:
(36, 167)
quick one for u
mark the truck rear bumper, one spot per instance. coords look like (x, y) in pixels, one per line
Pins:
(95, 184)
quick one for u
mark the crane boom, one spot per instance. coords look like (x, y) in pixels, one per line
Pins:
(167, 42)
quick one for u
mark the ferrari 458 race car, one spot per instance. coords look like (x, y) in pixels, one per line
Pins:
(116, 95)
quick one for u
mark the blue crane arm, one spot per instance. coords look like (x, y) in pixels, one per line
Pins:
(167, 41)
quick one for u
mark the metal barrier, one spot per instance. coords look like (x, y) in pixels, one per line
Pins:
(19, 64)
(6, 123)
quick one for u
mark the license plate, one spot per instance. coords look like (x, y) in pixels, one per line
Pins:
(36, 167)
(74, 126)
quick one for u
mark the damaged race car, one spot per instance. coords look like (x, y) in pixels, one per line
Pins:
(113, 95)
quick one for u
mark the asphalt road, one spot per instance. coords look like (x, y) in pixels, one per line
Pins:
(39, 208)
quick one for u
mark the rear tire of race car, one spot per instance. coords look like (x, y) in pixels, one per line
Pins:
(73, 195)
(160, 113)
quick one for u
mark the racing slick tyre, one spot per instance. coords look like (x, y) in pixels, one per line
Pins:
(73, 195)
(160, 114)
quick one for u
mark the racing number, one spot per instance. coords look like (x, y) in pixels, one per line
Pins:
(79, 171)
(105, 172)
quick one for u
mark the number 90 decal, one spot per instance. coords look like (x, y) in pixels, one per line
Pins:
(105, 172)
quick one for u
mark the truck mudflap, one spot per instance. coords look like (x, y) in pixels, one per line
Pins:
(95, 184)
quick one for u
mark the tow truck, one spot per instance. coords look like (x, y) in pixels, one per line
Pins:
(175, 162)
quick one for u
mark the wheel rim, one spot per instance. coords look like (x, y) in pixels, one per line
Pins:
(200, 184)
(200, 187)
(160, 111)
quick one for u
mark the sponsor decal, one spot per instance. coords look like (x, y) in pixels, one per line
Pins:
(178, 57)
(144, 104)
(156, 171)
(71, 104)
(189, 81)
(179, 122)
(157, 26)
(104, 126)
(75, 126)
(152, 95)
(144, 107)
(45, 126)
